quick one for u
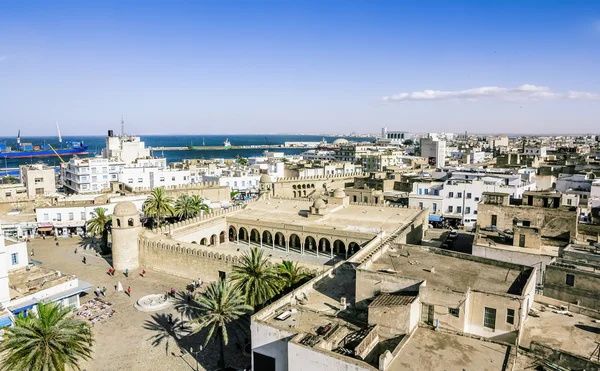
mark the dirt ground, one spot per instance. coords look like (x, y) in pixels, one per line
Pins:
(134, 340)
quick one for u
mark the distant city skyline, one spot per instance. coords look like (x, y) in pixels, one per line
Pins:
(235, 67)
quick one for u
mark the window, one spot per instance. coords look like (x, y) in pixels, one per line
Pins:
(489, 318)
(140, 180)
(510, 316)
(46, 216)
(526, 223)
(130, 181)
(459, 209)
(173, 179)
(162, 179)
(420, 205)
(94, 178)
(570, 280)
(458, 194)
(426, 191)
(436, 192)
(475, 212)
(420, 191)
(58, 217)
(450, 194)
(14, 258)
(454, 312)
(467, 210)
(569, 202)
(469, 195)
(476, 199)
(83, 215)
(71, 216)
(450, 209)
(93, 170)
(38, 180)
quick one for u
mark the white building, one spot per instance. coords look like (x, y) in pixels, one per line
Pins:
(124, 148)
(90, 175)
(151, 177)
(539, 151)
(39, 179)
(428, 194)
(435, 150)
(318, 154)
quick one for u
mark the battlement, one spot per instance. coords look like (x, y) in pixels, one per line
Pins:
(187, 249)
(191, 186)
(317, 177)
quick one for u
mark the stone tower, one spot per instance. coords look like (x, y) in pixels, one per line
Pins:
(126, 228)
(265, 186)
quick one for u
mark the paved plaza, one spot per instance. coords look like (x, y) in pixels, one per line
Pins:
(131, 339)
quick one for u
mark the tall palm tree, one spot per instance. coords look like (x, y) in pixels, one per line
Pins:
(185, 208)
(158, 204)
(100, 225)
(219, 308)
(258, 281)
(290, 273)
(47, 341)
(200, 205)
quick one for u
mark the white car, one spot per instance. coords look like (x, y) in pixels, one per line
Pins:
(453, 234)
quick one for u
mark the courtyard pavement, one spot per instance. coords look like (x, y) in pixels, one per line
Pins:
(135, 340)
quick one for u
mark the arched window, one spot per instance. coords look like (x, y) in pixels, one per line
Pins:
(130, 222)
(118, 223)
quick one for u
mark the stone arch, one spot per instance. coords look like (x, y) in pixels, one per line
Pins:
(254, 235)
(325, 245)
(294, 186)
(295, 242)
(232, 233)
(353, 248)
(304, 193)
(279, 239)
(267, 238)
(222, 237)
(204, 241)
(294, 194)
(303, 186)
(214, 239)
(243, 233)
(339, 247)
(310, 243)
(118, 223)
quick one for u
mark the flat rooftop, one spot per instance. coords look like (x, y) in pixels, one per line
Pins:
(434, 350)
(454, 271)
(577, 334)
(23, 282)
(353, 218)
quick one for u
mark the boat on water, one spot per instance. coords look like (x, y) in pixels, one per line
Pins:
(29, 150)
(226, 144)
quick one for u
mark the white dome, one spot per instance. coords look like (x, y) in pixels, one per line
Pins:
(319, 204)
(125, 208)
(340, 141)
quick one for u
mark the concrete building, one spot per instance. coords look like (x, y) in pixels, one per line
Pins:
(538, 151)
(39, 179)
(124, 148)
(575, 276)
(318, 154)
(90, 175)
(434, 149)
(392, 292)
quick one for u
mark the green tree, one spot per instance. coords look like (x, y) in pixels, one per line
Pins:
(219, 308)
(200, 205)
(185, 208)
(158, 205)
(99, 225)
(241, 160)
(290, 273)
(47, 341)
(256, 278)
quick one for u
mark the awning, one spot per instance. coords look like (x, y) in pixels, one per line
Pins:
(435, 218)
(45, 229)
(23, 306)
(81, 287)
(5, 321)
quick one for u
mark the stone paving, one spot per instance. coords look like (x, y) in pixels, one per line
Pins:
(135, 340)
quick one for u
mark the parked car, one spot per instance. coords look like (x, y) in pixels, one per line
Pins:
(453, 234)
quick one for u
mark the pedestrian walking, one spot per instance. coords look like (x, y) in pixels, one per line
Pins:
(32, 252)
(103, 290)
(129, 291)
(74, 251)
(119, 286)
(144, 273)
(84, 260)
(127, 272)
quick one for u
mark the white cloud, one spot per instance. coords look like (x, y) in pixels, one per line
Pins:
(523, 92)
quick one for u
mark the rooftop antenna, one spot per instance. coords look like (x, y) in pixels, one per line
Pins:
(122, 126)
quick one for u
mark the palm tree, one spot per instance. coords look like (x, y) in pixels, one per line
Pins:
(200, 205)
(290, 273)
(241, 160)
(158, 204)
(185, 207)
(47, 341)
(256, 278)
(100, 225)
(218, 308)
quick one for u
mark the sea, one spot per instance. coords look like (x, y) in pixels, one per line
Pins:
(97, 143)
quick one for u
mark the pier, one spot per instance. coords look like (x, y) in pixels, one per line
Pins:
(221, 148)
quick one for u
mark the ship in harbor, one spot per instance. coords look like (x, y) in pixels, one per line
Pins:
(30, 150)
(226, 145)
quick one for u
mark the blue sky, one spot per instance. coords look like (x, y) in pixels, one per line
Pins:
(202, 67)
